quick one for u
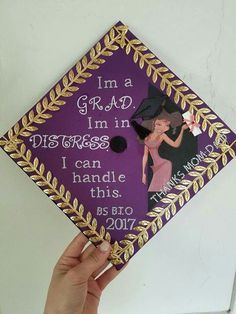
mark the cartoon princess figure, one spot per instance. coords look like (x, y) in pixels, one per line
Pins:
(161, 168)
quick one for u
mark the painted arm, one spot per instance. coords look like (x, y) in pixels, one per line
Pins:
(178, 141)
(144, 164)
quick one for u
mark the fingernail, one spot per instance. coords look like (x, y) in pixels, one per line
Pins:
(104, 246)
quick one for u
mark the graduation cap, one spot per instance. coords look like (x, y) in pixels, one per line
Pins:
(150, 108)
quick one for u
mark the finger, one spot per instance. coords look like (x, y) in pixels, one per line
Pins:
(86, 253)
(93, 262)
(88, 250)
(100, 269)
(76, 246)
(108, 276)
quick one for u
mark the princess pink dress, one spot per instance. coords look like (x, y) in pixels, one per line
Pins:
(162, 168)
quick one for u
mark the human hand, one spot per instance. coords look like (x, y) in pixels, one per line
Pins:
(73, 288)
(184, 127)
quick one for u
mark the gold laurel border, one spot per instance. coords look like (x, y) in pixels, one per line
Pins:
(170, 83)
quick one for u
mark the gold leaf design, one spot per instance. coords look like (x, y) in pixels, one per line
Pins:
(167, 214)
(224, 159)
(173, 209)
(129, 251)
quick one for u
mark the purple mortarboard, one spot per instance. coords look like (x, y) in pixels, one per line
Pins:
(91, 166)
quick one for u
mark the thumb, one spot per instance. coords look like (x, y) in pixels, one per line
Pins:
(95, 260)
